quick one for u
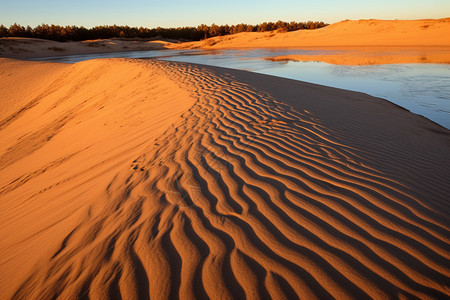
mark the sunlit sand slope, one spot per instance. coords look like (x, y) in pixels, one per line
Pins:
(260, 187)
(432, 32)
(64, 132)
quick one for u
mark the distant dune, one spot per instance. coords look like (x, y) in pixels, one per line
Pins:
(345, 33)
(428, 35)
(138, 179)
(32, 48)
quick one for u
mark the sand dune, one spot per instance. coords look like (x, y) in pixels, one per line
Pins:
(434, 32)
(141, 179)
(32, 48)
(427, 41)
(65, 130)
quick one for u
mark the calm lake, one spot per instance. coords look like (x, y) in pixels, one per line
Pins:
(421, 88)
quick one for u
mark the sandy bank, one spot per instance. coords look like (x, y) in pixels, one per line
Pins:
(148, 179)
(31, 48)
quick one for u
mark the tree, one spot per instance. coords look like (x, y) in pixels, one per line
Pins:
(3, 31)
(16, 30)
(214, 30)
(74, 33)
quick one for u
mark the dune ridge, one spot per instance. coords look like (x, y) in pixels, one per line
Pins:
(25, 48)
(262, 187)
(427, 32)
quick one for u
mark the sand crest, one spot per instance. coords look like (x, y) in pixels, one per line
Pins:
(147, 179)
(432, 32)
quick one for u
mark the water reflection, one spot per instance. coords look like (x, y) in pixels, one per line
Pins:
(421, 88)
(373, 55)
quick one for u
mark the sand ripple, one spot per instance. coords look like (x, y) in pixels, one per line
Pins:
(246, 197)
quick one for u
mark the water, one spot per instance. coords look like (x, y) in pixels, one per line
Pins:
(421, 88)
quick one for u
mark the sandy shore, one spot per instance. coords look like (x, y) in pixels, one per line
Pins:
(140, 178)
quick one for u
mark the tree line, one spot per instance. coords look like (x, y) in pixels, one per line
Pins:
(75, 33)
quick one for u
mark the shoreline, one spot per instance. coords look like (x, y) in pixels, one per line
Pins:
(345, 55)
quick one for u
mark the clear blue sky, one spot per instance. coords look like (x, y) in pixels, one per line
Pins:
(174, 13)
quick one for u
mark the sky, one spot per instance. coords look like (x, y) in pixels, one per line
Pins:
(178, 13)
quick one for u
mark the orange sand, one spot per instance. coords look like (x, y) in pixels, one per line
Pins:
(149, 179)
(32, 48)
(345, 33)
